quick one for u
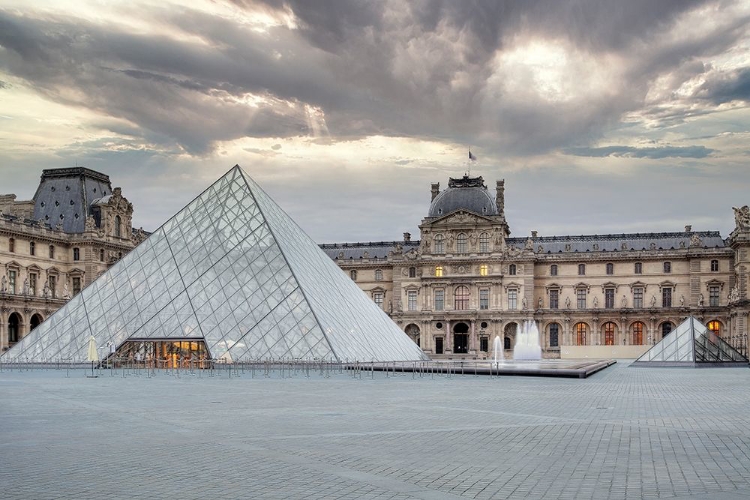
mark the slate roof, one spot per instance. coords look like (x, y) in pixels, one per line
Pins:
(549, 244)
(65, 195)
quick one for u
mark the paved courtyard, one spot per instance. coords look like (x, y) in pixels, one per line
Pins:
(622, 433)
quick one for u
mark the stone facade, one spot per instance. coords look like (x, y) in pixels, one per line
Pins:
(466, 281)
(52, 246)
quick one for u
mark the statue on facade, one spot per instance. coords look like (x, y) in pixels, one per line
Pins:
(567, 302)
(399, 249)
(66, 291)
(653, 301)
(524, 303)
(45, 290)
(90, 224)
(682, 301)
(742, 217)
(695, 240)
(541, 303)
(26, 286)
(596, 302)
(473, 238)
(701, 300)
(529, 246)
(734, 295)
(451, 238)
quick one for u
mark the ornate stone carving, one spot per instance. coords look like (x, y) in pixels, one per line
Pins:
(624, 302)
(653, 301)
(45, 290)
(90, 224)
(596, 302)
(567, 302)
(366, 254)
(66, 291)
(734, 295)
(742, 217)
(26, 286)
(4, 284)
(682, 301)
(695, 240)
(529, 246)
(524, 304)
(541, 303)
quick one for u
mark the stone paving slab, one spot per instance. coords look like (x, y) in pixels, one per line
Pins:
(622, 433)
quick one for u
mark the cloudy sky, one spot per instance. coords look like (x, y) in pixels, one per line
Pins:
(602, 115)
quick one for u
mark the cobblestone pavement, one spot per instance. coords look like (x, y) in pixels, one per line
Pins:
(622, 433)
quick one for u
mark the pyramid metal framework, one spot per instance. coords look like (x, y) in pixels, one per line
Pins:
(691, 344)
(233, 269)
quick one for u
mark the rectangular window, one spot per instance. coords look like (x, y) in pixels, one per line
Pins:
(32, 284)
(512, 299)
(484, 299)
(667, 267)
(412, 272)
(714, 265)
(32, 248)
(638, 268)
(713, 296)
(609, 298)
(76, 254)
(484, 243)
(554, 299)
(638, 297)
(439, 248)
(51, 251)
(439, 300)
(484, 344)
(377, 297)
(581, 298)
(76, 286)
(483, 270)
(412, 302)
(610, 268)
(53, 286)
(666, 297)
(12, 282)
(101, 255)
(553, 270)
(554, 335)
(581, 269)
(438, 271)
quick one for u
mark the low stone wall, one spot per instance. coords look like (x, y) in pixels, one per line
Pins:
(603, 351)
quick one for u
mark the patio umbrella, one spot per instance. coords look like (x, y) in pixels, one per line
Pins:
(93, 354)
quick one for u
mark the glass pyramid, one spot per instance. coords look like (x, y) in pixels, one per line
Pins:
(233, 269)
(691, 343)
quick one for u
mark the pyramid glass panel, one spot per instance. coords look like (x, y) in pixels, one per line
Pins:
(691, 344)
(234, 270)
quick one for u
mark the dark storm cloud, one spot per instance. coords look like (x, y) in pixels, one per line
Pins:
(416, 69)
(652, 152)
(727, 87)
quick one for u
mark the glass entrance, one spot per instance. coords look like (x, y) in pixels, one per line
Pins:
(164, 353)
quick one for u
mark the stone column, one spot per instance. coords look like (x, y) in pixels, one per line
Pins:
(473, 337)
(448, 343)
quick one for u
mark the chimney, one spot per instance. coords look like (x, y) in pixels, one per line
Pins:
(500, 198)
(407, 236)
(533, 234)
(435, 190)
(688, 228)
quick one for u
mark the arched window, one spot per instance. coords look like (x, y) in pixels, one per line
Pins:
(580, 330)
(438, 271)
(439, 248)
(554, 335)
(666, 329)
(118, 226)
(581, 269)
(412, 272)
(378, 275)
(32, 248)
(484, 243)
(553, 270)
(461, 298)
(76, 253)
(610, 268)
(512, 269)
(461, 243)
(483, 270)
(637, 330)
(353, 275)
(11, 245)
(609, 333)
(714, 266)
(52, 251)
(14, 328)
(715, 327)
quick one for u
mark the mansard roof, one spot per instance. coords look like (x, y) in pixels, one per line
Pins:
(374, 249)
(621, 242)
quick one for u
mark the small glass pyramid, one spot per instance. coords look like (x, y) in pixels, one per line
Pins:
(234, 270)
(691, 343)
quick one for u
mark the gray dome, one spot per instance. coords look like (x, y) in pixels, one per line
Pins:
(473, 199)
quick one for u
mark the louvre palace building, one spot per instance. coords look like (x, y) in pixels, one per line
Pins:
(466, 281)
(73, 229)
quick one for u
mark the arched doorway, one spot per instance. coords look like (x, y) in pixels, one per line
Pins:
(36, 320)
(461, 338)
(412, 331)
(666, 328)
(14, 328)
(510, 335)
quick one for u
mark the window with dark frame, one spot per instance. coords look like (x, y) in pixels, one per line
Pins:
(666, 297)
(610, 268)
(638, 268)
(667, 267)
(713, 296)
(554, 299)
(439, 299)
(461, 298)
(609, 298)
(554, 335)
(461, 246)
(553, 270)
(76, 253)
(581, 269)
(484, 243)
(32, 248)
(581, 298)
(638, 297)
(484, 299)
(714, 266)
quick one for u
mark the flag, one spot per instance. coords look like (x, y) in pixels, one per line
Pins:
(472, 157)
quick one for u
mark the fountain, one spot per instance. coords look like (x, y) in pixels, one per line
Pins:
(497, 348)
(527, 343)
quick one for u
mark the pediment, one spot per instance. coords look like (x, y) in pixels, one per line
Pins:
(459, 217)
